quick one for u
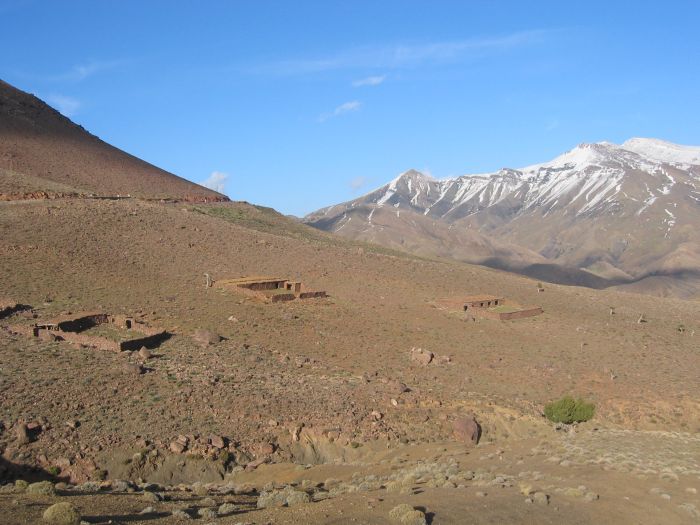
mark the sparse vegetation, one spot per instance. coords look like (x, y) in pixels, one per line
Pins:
(569, 410)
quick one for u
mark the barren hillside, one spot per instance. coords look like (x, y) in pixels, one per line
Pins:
(328, 382)
(43, 151)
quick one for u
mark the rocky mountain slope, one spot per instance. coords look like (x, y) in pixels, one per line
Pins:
(599, 215)
(43, 151)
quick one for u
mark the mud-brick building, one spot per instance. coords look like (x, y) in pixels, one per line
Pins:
(482, 301)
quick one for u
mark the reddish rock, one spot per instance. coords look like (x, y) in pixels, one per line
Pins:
(267, 448)
(217, 442)
(466, 429)
(255, 464)
(177, 447)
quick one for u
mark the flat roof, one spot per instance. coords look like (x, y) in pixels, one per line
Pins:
(251, 280)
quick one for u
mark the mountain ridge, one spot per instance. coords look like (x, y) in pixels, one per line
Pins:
(620, 212)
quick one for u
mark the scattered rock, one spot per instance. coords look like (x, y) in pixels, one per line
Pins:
(217, 441)
(151, 497)
(45, 488)
(466, 429)
(422, 357)
(199, 489)
(255, 464)
(181, 515)
(148, 510)
(145, 353)
(21, 485)
(296, 430)
(406, 515)
(267, 448)
(177, 447)
(287, 496)
(207, 513)
(22, 435)
(540, 498)
(62, 514)
(591, 496)
(397, 387)
(227, 508)
(206, 337)
(120, 485)
(133, 368)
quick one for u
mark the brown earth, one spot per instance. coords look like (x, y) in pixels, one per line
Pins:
(329, 382)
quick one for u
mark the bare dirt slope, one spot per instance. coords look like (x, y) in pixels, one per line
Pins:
(330, 382)
(41, 150)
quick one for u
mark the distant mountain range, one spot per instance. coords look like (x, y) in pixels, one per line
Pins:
(599, 215)
(43, 151)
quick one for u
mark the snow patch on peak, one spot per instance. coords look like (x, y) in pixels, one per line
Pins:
(663, 151)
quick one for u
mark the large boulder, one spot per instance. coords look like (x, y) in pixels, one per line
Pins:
(205, 337)
(43, 488)
(62, 514)
(466, 429)
(405, 514)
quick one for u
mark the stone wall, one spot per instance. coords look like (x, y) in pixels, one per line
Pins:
(71, 330)
(528, 311)
(281, 297)
(311, 295)
(274, 285)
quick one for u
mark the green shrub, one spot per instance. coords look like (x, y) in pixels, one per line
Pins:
(569, 410)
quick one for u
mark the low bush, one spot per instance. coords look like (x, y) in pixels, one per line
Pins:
(569, 410)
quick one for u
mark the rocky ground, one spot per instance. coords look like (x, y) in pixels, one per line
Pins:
(327, 396)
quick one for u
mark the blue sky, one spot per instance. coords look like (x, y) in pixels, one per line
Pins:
(301, 104)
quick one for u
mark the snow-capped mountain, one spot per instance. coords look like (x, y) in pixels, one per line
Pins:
(622, 213)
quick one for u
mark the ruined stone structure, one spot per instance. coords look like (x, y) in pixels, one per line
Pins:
(481, 301)
(72, 328)
(489, 307)
(270, 289)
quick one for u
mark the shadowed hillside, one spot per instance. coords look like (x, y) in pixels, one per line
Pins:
(41, 150)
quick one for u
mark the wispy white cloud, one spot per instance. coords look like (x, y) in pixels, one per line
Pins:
(80, 72)
(346, 107)
(216, 181)
(68, 106)
(405, 55)
(358, 182)
(369, 81)
(552, 124)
